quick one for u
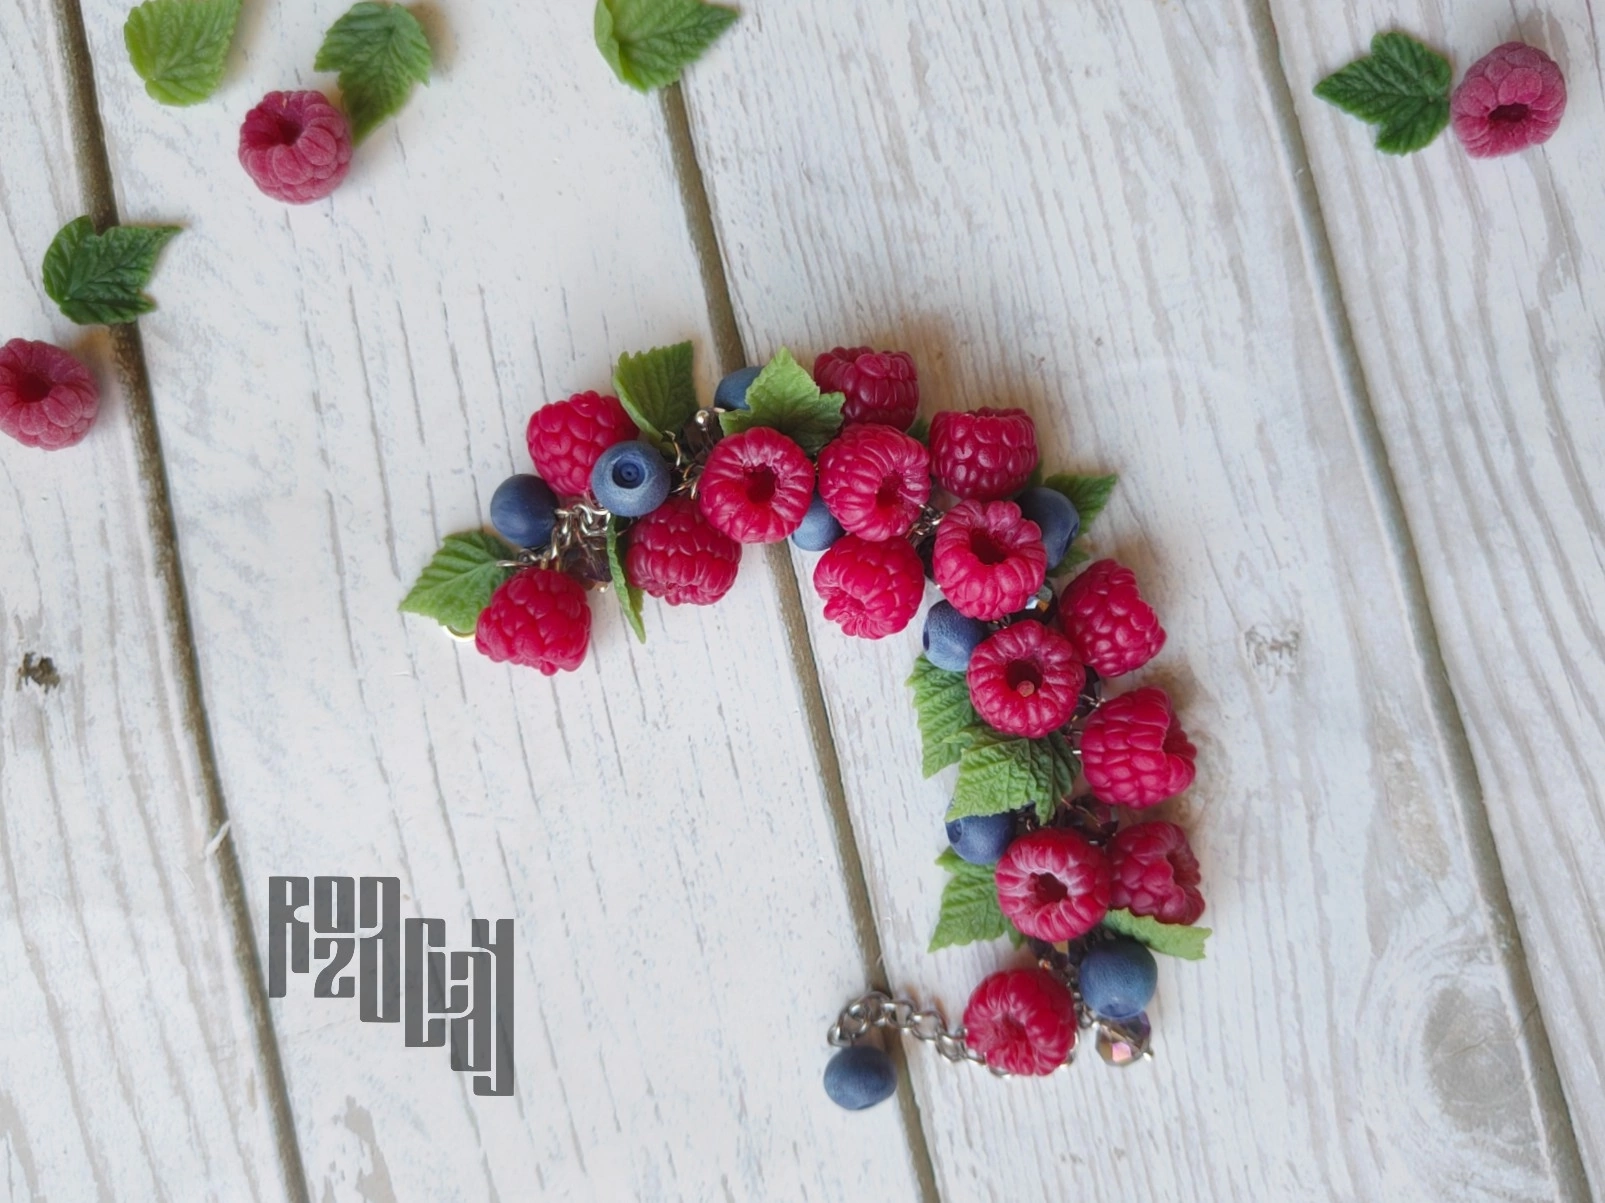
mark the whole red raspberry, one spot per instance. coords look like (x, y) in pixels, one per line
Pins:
(568, 437)
(880, 386)
(1511, 98)
(1133, 751)
(756, 486)
(674, 554)
(1156, 873)
(47, 398)
(539, 618)
(988, 560)
(1025, 680)
(296, 146)
(1053, 885)
(870, 589)
(1023, 1021)
(1108, 623)
(983, 454)
(875, 481)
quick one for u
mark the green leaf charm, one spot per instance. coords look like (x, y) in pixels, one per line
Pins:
(970, 909)
(101, 277)
(459, 581)
(178, 47)
(380, 51)
(1089, 494)
(648, 43)
(785, 397)
(947, 720)
(1401, 86)
(998, 773)
(658, 390)
(629, 596)
(1171, 939)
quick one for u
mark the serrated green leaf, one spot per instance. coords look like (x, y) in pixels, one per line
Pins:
(648, 43)
(1089, 494)
(785, 397)
(970, 910)
(459, 580)
(999, 773)
(658, 389)
(1074, 557)
(380, 51)
(99, 278)
(629, 596)
(178, 47)
(1171, 939)
(1401, 86)
(947, 720)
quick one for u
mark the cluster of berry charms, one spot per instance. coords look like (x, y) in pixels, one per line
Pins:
(647, 492)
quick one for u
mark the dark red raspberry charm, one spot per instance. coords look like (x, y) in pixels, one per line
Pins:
(988, 560)
(1053, 885)
(47, 398)
(1112, 629)
(1023, 1021)
(879, 386)
(875, 481)
(566, 439)
(674, 554)
(1133, 751)
(756, 486)
(1156, 873)
(870, 589)
(296, 146)
(539, 618)
(983, 454)
(1025, 680)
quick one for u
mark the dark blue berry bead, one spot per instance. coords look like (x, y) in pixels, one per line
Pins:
(818, 530)
(1118, 979)
(523, 510)
(630, 479)
(951, 638)
(860, 1076)
(981, 839)
(732, 390)
(1051, 510)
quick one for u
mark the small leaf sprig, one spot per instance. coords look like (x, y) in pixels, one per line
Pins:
(380, 52)
(649, 43)
(100, 278)
(179, 47)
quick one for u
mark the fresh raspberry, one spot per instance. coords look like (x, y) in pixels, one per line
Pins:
(983, 454)
(989, 561)
(756, 486)
(1023, 1021)
(1026, 680)
(296, 146)
(567, 438)
(880, 386)
(875, 481)
(1109, 624)
(1133, 751)
(1156, 873)
(539, 618)
(1511, 98)
(674, 554)
(870, 589)
(1054, 885)
(47, 398)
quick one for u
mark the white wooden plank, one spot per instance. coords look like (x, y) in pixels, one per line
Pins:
(1475, 292)
(338, 387)
(1085, 209)
(128, 1067)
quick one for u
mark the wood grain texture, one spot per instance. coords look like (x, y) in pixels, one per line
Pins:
(1475, 290)
(1074, 208)
(128, 1068)
(339, 386)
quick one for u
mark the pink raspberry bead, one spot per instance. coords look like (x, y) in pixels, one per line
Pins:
(296, 146)
(47, 398)
(1512, 98)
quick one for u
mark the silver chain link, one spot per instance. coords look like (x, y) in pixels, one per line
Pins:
(878, 1010)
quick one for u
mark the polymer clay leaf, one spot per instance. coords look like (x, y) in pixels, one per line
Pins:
(380, 51)
(947, 720)
(657, 389)
(178, 47)
(970, 910)
(785, 397)
(1401, 86)
(1172, 939)
(629, 596)
(459, 581)
(100, 278)
(1089, 494)
(648, 43)
(999, 773)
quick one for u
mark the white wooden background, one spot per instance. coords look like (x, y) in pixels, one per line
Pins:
(1356, 403)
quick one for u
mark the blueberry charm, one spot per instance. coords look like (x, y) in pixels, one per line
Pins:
(732, 390)
(981, 839)
(819, 529)
(523, 510)
(630, 479)
(1052, 512)
(1118, 979)
(951, 637)
(860, 1076)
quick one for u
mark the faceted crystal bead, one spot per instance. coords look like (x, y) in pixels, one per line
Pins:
(1124, 1043)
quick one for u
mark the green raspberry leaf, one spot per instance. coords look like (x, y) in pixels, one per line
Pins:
(648, 43)
(947, 720)
(1074, 557)
(458, 582)
(999, 773)
(920, 431)
(629, 596)
(178, 47)
(380, 51)
(658, 390)
(1089, 494)
(1401, 86)
(970, 910)
(100, 278)
(785, 397)
(1171, 939)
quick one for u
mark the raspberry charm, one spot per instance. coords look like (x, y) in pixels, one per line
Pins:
(988, 560)
(296, 146)
(1053, 885)
(756, 486)
(870, 589)
(1112, 629)
(1133, 751)
(48, 399)
(1511, 98)
(1025, 680)
(879, 386)
(676, 555)
(568, 437)
(1156, 873)
(539, 618)
(983, 454)
(875, 481)
(1023, 1021)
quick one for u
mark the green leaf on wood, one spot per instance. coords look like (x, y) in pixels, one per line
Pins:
(999, 773)
(1074, 557)
(459, 581)
(1089, 494)
(101, 277)
(380, 51)
(1401, 86)
(785, 397)
(947, 720)
(658, 390)
(970, 910)
(178, 47)
(629, 596)
(648, 43)
(1171, 939)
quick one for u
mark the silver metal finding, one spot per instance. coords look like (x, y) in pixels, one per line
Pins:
(878, 1010)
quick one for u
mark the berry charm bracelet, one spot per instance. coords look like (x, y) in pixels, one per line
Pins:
(647, 492)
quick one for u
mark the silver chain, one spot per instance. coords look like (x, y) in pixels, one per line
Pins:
(878, 1010)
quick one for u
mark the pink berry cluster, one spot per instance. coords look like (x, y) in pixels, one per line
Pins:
(48, 399)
